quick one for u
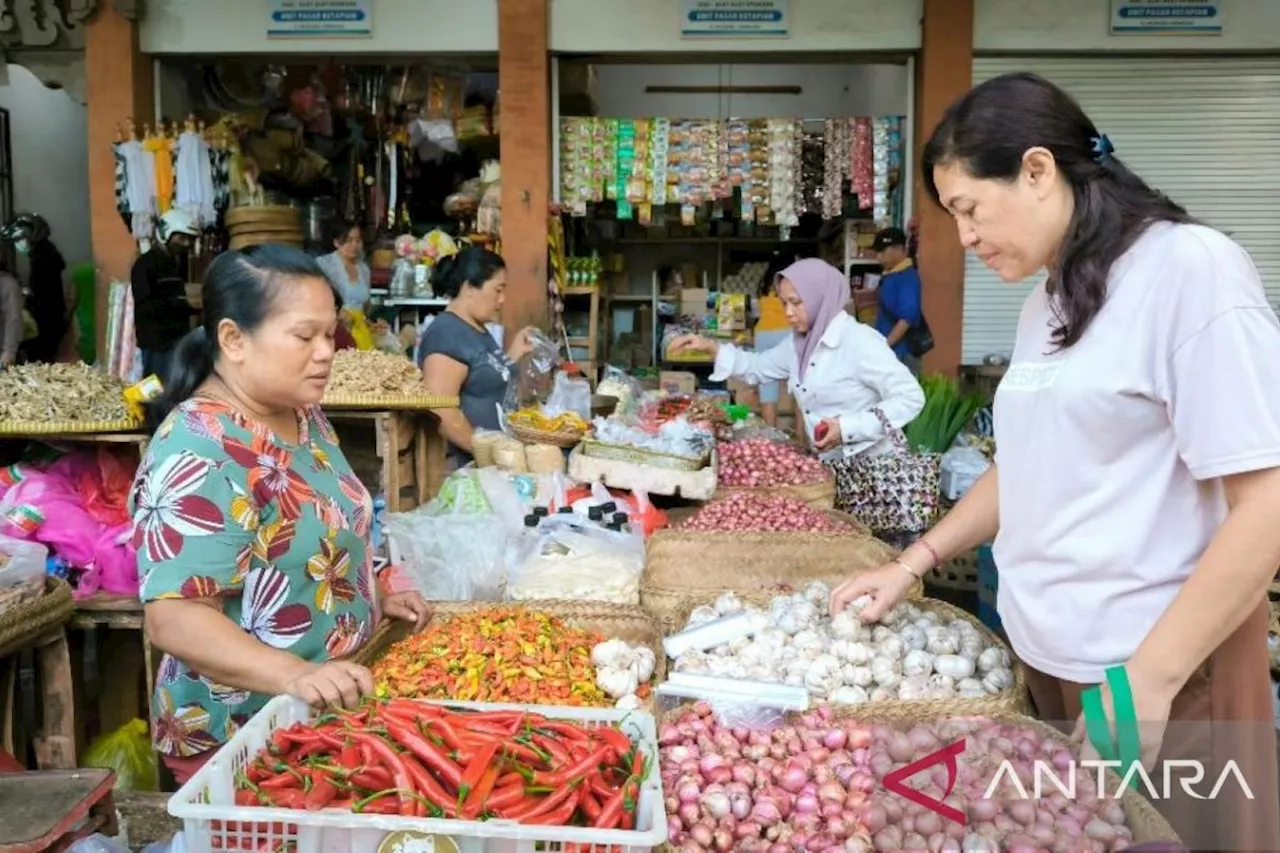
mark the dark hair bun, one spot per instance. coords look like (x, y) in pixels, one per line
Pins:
(470, 267)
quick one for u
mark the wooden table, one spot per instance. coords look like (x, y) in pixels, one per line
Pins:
(55, 741)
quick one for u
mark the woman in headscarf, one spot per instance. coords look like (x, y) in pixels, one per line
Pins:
(839, 371)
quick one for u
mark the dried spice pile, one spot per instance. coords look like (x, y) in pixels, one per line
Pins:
(495, 655)
(373, 372)
(60, 392)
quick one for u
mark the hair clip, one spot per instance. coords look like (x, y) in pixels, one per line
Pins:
(1102, 148)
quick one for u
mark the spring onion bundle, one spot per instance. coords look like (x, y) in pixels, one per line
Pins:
(946, 412)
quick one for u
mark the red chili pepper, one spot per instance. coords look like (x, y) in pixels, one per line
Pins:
(447, 732)
(280, 781)
(485, 729)
(611, 815)
(379, 802)
(349, 758)
(414, 708)
(476, 768)
(245, 797)
(568, 731)
(558, 816)
(531, 807)
(508, 779)
(372, 778)
(425, 750)
(559, 755)
(322, 792)
(479, 796)
(292, 798)
(620, 742)
(570, 774)
(399, 774)
(433, 793)
(600, 787)
(505, 797)
(590, 807)
(630, 804)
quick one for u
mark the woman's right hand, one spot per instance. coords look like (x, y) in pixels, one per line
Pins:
(692, 343)
(887, 585)
(336, 683)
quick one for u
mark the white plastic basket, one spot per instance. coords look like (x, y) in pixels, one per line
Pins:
(212, 823)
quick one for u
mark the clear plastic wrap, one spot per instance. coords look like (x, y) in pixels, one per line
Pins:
(450, 556)
(572, 559)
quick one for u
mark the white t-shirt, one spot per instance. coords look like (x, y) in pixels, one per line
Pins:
(1109, 452)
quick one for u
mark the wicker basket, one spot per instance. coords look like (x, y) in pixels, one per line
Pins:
(33, 428)
(820, 495)
(1014, 700)
(25, 621)
(680, 563)
(958, 573)
(670, 461)
(563, 439)
(393, 402)
(613, 620)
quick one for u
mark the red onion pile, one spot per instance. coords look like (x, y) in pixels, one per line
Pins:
(815, 785)
(756, 462)
(746, 511)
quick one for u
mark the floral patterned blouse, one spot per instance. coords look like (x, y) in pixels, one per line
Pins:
(223, 507)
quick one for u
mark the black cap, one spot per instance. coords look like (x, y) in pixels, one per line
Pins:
(540, 511)
(619, 518)
(614, 526)
(609, 506)
(565, 510)
(595, 513)
(889, 237)
(531, 521)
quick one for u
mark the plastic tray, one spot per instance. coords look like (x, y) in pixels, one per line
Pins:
(212, 822)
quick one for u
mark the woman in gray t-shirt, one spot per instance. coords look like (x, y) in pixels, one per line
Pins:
(459, 357)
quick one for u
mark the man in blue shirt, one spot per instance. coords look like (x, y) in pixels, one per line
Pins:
(900, 318)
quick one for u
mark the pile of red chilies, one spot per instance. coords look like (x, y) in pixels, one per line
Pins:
(419, 760)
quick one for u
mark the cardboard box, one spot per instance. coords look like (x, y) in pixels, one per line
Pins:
(744, 394)
(699, 296)
(678, 382)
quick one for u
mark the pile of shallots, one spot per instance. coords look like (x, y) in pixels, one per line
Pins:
(815, 784)
(756, 462)
(746, 511)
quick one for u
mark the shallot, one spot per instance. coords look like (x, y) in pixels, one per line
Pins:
(743, 511)
(756, 462)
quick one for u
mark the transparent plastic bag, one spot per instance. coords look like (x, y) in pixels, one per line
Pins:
(620, 384)
(21, 561)
(569, 394)
(128, 752)
(460, 492)
(572, 559)
(453, 556)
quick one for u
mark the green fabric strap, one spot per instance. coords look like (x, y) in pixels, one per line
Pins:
(1126, 745)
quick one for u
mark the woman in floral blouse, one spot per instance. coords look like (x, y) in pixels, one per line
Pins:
(251, 529)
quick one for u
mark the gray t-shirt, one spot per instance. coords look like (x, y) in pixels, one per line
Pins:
(489, 371)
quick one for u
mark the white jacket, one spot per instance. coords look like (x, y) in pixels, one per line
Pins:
(852, 371)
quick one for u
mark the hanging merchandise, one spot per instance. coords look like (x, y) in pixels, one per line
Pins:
(626, 163)
(194, 189)
(604, 149)
(159, 146)
(784, 138)
(862, 164)
(812, 163)
(139, 183)
(887, 145)
(834, 166)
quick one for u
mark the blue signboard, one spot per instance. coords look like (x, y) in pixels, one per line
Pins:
(1166, 17)
(734, 18)
(319, 18)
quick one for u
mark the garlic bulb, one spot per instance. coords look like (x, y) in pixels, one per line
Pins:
(722, 650)
(994, 657)
(845, 625)
(998, 679)
(702, 615)
(943, 682)
(913, 687)
(953, 666)
(757, 619)
(970, 688)
(754, 654)
(728, 603)
(797, 617)
(913, 637)
(793, 679)
(893, 615)
(939, 641)
(630, 702)
(886, 672)
(736, 646)
(857, 676)
(859, 653)
(616, 682)
(771, 639)
(764, 673)
(809, 640)
(972, 645)
(692, 663)
(917, 662)
(849, 696)
(880, 633)
(818, 593)
(882, 694)
(726, 667)
(642, 663)
(891, 647)
(823, 675)
(611, 653)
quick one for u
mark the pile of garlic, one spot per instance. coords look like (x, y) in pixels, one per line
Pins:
(620, 670)
(911, 653)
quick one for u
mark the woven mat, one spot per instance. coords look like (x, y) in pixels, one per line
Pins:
(25, 622)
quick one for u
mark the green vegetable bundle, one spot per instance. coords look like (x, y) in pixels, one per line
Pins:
(946, 412)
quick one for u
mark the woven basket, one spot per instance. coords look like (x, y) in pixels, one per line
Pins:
(612, 620)
(24, 622)
(1014, 700)
(376, 402)
(958, 573)
(24, 428)
(820, 495)
(563, 439)
(681, 563)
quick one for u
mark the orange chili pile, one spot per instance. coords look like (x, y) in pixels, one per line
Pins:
(416, 760)
(503, 654)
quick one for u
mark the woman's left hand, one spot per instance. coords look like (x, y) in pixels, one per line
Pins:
(522, 344)
(826, 435)
(1151, 704)
(408, 607)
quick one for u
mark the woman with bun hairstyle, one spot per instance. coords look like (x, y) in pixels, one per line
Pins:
(252, 531)
(458, 356)
(1133, 500)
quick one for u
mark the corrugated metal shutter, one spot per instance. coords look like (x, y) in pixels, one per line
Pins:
(1206, 131)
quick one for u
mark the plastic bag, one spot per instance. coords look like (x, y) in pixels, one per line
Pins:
(460, 492)
(572, 559)
(535, 369)
(569, 394)
(22, 561)
(618, 383)
(128, 752)
(361, 332)
(453, 556)
(961, 468)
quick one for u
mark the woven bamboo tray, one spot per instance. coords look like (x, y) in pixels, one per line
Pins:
(394, 402)
(22, 428)
(631, 624)
(820, 495)
(670, 461)
(1013, 700)
(562, 439)
(680, 563)
(25, 621)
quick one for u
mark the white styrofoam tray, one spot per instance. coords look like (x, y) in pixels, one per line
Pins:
(212, 821)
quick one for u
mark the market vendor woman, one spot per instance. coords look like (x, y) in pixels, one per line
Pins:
(252, 532)
(1133, 500)
(839, 370)
(458, 356)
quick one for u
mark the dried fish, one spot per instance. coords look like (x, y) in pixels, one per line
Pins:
(373, 372)
(60, 392)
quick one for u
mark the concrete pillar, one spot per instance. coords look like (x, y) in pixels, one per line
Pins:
(944, 72)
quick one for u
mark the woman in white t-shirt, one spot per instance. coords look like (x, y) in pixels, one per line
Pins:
(1133, 500)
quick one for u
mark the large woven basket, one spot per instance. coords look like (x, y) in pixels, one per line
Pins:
(1015, 700)
(631, 624)
(392, 402)
(684, 563)
(35, 428)
(24, 622)
(820, 495)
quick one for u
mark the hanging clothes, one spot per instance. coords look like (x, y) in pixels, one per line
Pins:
(220, 170)
(122, 184)
(162, 159)
(194, 185)
(140, 187)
